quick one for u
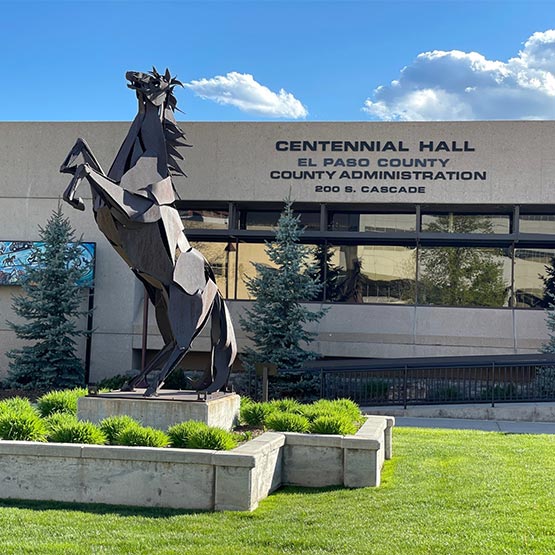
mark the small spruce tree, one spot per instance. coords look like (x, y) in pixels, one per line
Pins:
(327, 273)
(545, 377)
(549, 283)
(49, 307)
(276, 321)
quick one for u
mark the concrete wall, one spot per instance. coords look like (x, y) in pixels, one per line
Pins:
(192, 479)
(235, 162)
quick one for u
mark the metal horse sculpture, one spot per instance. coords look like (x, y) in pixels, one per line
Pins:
(133, 205)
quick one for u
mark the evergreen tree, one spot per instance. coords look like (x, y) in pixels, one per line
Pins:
(276, 322)
(545, 376)
(326, 273)
(549, 283)
(549, 347)
(49, 307)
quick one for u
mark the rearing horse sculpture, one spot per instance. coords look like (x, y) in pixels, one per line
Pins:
(133, 205)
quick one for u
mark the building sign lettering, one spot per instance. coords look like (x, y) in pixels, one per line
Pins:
(422, 167)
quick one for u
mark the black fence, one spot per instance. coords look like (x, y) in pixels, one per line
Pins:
(442, 380)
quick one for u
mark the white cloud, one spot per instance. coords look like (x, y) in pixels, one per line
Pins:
(242, 91)
(459, 85)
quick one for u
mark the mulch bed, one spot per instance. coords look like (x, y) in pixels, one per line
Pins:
(31, 394)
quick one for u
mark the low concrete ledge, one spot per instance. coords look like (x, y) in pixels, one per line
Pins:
(191, 478)
(375, 423)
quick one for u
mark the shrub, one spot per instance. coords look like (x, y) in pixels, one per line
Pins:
(243, 436)
(348, 407)
(255, 414)
(17, 405)
(286, 405)
(58, 419)
(377, 389)
(339, 407)
(114, 425)
(60, 401)
(213, 438)
(76, 432)
(287, 422)
(180, 434)
(333, 424)
(114, 382)
(142, 436)
(22, 426)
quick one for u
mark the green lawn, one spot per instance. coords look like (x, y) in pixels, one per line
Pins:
(444, 492)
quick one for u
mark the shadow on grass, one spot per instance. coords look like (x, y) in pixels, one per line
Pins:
(147, 512)
(97, 508)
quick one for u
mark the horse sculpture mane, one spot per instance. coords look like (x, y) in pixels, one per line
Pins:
(133, 205)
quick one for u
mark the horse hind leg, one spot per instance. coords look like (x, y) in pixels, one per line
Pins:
(173, 360)
(187, 315)
(158, 361)
(224, 347)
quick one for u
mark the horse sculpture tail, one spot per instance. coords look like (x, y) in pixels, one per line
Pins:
(225, 345)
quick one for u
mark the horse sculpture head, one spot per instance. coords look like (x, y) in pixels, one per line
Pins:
(154, 87)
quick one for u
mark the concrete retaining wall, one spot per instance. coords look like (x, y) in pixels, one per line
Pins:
(193, 479)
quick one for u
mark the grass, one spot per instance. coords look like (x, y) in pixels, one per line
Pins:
(444, 493)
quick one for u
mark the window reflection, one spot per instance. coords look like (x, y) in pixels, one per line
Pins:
(537, 223)
(267, 220)
(371, 274)
(530, 272)
(381, 223)
(204, 219)
(464, 276)
(465, 223)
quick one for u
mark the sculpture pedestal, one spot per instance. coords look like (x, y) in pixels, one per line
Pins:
(168, 408)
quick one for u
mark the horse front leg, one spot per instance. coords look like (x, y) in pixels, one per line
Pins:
(69, 194)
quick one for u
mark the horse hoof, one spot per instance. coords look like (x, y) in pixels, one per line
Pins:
(151, 392)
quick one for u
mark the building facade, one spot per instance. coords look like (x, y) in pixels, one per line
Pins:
(432, 238)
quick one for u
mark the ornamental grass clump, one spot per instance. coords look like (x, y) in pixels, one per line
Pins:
(213, 438)
(113, 425)
(76, 432)
(286, 405)
(333, 424)
(180, 434)
(255, 414)
(17, 405)
(325, 407)
(57, 420)
(60, 401)
(22, 426)
(287, 422)
(141, 436)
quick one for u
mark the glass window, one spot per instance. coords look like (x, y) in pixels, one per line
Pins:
(267, 220)
(356, 221)
(537, 223)
(464, 276)
(466, 223)
(204, 219)
(249, 253)
(530, 269)
(370, 274)
(221, 257)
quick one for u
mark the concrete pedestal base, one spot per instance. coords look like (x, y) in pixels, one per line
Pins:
(169, 408)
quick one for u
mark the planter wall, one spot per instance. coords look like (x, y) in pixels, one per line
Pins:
(193, 479)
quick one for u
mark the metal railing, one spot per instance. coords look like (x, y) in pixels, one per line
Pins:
(442, 380)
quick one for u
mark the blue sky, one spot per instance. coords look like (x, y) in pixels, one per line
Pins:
(282, 61)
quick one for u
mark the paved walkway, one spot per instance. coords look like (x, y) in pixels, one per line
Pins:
(506, 426)
(513, 418)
